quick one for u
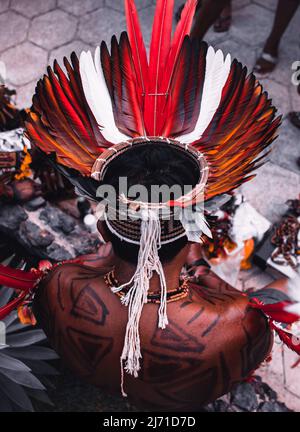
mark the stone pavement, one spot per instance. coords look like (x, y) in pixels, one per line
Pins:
(34, 32)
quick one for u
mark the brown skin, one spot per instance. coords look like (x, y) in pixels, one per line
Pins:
(213, 340)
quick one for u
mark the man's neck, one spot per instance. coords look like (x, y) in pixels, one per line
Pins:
(124, 272)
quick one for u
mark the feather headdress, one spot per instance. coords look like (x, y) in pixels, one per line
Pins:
(186, 95)
(185, 91)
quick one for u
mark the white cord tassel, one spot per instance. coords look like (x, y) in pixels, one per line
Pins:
(148, 262)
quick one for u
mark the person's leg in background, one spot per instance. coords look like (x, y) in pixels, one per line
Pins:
(285, 11)
(223, 23)
(294, 117)
(206, 16)
(180, 9)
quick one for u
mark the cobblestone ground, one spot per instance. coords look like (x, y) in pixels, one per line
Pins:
(34, 32)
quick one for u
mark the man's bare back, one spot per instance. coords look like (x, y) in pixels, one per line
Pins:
(213, 340)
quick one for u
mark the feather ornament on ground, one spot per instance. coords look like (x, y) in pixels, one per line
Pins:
(23, 367)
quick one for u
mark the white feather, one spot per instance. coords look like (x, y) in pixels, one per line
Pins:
(98, 97)
(216, 74)
(195, 224)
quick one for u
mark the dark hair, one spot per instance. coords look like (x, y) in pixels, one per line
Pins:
(147, 165)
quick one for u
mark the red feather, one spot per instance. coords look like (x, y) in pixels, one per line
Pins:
(277, 312)
(76, 85)
(7, 309)
(73, 71)
(121, 79)
(182, 30)
(18, 279)
(139, 54)
(288, 339)
(63, 133)
(65, 84)
(117, 83)
(175, 115)
(131, 109)
(193, 94)
(191, 84)
(159, 52)
(26, 282)
(71, 115)
(106, 66)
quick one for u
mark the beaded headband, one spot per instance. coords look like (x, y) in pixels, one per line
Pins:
(102, 163)
(171, 226)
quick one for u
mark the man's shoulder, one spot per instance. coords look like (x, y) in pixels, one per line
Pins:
(84, 267)
(223, 301)
(71, 272)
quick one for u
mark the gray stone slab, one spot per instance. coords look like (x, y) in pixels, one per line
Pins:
(71, 394)
(79, 7)
(31, 8)
(13, 29)
(292, 34)
(289, 52)
(4, 5)
(101, 25)
(66, 50)
(286, 149)
(213, 38)
(119, 4)
(146, 18)
(280, 375)
(251, 24)
(295, 98)
(238, 4)
(177, 3)
(278, 93)
(53, 29)
(25, 93)
(270, 189)
(20, 60)
(268, 4)
(245, 54)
